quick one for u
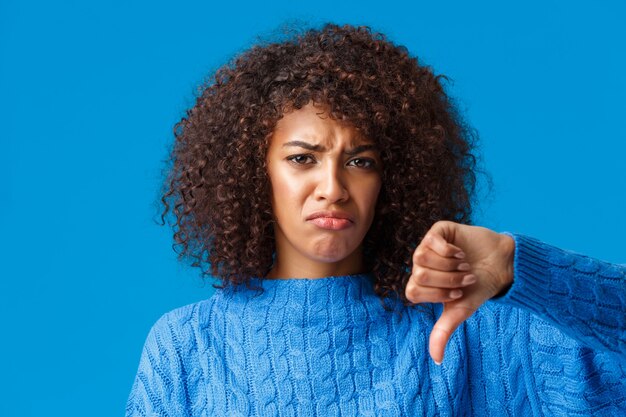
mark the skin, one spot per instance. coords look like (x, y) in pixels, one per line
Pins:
(305, 181)
(458, 265)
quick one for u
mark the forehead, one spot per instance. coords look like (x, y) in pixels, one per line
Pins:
(314, 125)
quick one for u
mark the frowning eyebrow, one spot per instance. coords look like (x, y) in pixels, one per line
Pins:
(319, 148)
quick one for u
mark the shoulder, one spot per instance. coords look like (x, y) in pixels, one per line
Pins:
(180, 328)
(170, 365)
(190, 315)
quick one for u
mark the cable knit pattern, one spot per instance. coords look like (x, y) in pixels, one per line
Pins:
(553, 345)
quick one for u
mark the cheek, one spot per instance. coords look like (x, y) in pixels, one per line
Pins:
(288, 194)
(369, 199)
(376, 190)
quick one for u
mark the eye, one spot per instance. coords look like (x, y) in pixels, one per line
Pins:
(299, 159)
(366, 163)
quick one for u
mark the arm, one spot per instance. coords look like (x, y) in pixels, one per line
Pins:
(463, 266)
(158, 388)
(583, 297)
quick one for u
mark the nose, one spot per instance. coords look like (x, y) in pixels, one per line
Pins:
(331, 185)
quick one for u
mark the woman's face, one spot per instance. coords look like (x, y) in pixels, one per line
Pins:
(325, 181)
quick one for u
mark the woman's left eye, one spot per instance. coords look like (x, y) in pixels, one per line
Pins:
(363, 162)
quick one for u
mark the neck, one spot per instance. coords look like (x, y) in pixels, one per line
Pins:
(309, 268)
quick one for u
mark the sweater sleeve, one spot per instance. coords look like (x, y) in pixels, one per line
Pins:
(158, 388)
(584, 297)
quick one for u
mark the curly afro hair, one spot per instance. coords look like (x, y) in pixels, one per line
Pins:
(218, 189)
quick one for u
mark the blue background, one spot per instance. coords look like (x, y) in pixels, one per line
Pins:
(90, 91)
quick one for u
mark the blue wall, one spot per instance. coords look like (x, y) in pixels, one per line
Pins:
(90, 91)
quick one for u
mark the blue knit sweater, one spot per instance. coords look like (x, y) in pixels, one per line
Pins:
(554, 345)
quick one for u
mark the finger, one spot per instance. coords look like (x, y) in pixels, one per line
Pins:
(419, 294)
(438, 244)
(439, 279)
(428, 258)
(451, 318)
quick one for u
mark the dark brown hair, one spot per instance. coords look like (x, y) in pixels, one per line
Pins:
(217, 186)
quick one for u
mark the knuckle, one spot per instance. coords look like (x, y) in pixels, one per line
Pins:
(412, 293)
(421, 257)
(420, 276)
(452, 280)
(455, 280)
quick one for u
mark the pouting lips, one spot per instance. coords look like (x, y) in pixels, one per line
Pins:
(331, 223)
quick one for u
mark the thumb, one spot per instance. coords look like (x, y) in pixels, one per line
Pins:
(451, 318)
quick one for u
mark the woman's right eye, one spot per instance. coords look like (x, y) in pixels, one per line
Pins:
(299, 159)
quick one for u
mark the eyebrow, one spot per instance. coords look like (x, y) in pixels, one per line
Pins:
(319, 148)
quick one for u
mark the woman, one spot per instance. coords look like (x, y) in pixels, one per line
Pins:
(325, 181)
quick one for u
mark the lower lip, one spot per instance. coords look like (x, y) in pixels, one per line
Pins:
(331, 223)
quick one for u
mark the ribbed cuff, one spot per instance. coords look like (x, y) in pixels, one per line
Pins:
(531, 277)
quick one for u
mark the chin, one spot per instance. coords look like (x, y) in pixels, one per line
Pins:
(330, 258)
(331, 253)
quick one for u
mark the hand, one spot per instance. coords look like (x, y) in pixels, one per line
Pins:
(460, 266)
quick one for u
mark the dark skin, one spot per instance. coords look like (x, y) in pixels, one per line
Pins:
(318, 164)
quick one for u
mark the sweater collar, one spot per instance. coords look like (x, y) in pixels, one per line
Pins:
(316, 299)
(350, 287)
